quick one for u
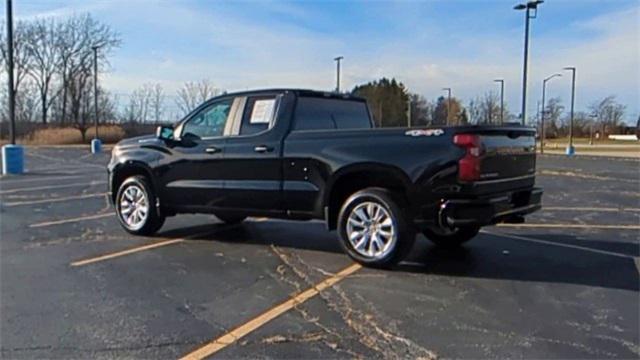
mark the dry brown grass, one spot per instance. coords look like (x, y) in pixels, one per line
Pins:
(68, 135)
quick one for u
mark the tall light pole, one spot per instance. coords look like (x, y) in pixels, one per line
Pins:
(338, 60)
(448, 90)
(501, 81)
(531, 5)
(95, 85)
(544, 89)
(12, 98)
(570, 149)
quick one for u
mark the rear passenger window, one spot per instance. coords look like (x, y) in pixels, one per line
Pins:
(258, 114)
(316, 113)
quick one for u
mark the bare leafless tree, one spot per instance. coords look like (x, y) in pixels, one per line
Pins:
(77, 36)
(157, 102)
(193, 94)
(21, 59)
(490, 108)
(608, 113)
(40, 43)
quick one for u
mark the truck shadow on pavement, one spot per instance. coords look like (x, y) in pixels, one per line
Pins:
(488, 256)
(496, 257)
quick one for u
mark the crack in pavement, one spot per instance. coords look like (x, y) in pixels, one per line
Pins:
(385, 342)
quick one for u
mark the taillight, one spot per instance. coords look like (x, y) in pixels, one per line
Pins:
(469, 165)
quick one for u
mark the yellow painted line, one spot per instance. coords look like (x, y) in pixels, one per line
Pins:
(12, 191)
(126, 252)
(236, 334)
(545, 242)
(578, 208)
(72, 220)
(572, 226)
(52, 200)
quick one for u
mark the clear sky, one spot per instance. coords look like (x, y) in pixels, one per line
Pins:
(463, 44)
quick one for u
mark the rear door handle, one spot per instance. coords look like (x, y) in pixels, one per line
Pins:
(262, 149)
(212, 150)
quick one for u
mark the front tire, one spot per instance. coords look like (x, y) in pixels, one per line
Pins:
(373, 228)
(135, 207)
(451, 238)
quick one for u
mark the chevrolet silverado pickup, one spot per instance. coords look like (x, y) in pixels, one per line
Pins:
(303, 155)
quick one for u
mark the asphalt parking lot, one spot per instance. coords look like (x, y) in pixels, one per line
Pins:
(75, 285)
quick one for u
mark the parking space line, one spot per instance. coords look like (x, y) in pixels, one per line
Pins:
(92, 183)
(578, 208)
(66, 221)
(12, 180)
(573, 226)
(126, 252)
(52, 200)
(236, 334)
(577, 247)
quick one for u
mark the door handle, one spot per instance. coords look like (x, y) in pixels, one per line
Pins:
(212, 150)
(262, 149)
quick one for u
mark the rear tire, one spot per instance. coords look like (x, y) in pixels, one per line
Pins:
(136, 207)
(451, 238)
(373, 228)
(231, 219)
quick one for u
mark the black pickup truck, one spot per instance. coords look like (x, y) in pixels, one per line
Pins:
(300, 154)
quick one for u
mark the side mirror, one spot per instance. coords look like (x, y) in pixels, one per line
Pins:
(164, 132)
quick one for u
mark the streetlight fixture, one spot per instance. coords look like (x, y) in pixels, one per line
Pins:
(570, 148)
(531, 5)
(448, 90)
(501, 81)
(544, 87)
(338, 60)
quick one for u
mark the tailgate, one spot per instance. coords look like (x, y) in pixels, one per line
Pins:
(494, 155)
(508, 154)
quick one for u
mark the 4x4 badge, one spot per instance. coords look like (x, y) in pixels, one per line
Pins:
(424, 132)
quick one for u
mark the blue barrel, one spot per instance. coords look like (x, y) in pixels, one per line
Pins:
(12, 159)
(96, 146)
(570, 150)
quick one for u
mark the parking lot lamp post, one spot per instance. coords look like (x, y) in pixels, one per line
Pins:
(448, 90)
(570, 148)
(11, 94)
(338, 60)
(544, 89)
(95, 85)
(501, 81)
(531, 5)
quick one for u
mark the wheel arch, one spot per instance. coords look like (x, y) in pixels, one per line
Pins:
(360, 176)
(127, 169)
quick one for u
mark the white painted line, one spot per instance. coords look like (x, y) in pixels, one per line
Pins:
(637, 261)
(72, 220)
(37, 188)
(578, 208)
(571, 226)
(32, 178)
(53, 200)
(545, 242)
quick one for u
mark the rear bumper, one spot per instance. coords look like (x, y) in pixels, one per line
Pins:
(506, 207)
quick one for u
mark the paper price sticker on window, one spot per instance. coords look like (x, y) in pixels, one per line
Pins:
(262, 111)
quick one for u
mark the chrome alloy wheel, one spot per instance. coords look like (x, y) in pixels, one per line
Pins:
(371, 230)
(134, 207)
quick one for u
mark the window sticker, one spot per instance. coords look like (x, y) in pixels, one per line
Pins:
(262, 111)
